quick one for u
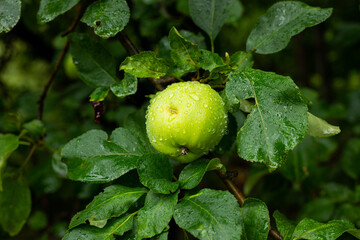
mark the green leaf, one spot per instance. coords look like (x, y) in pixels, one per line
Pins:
(209, 214)
(240, 60)
(188, 57)
(144, 65)
(8, 144)
(210, 15)
(113, 202)
(320, 128)
(285, 227)
(94, 63)
(255, 219)
(15, 205)
(193, 173)
(155, 216)
(155, 172)
(116, 226)
(92, 157)
(313, 230)
(283, 20)
(277, 122)
(36, 128)
(126, 87)
(50, 9)
(350, 158)
(10, 11)
(107, 17)
(99, 94)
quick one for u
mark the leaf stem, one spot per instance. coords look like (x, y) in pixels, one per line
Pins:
(58, 63)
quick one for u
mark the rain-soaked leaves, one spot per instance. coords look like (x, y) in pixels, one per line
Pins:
(255, 219)
(93, 157)
(50, 9)
(209, 214)
(283, 20)
(113, 202)
(126, 86)
(155, 216)
(107, 17)
(116, 226)
(145, 64)
(95, 65)
(155, 172)
(188, 57)
(312, 230)
(278, 121)
(10, 11)
(283, 225)
(210, 15)
(193, 173)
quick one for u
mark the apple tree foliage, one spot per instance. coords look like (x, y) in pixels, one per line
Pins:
(140, 193)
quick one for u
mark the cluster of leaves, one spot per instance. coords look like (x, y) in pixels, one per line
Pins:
(277, 120)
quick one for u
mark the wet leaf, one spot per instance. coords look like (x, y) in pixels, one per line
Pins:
(209, 214)
(193, 173)
(255, 219)
(155, 172)
(10, 11)
(116, 226)
(125, 87)
(210, 15)
(95, 65)
(155, 216)
(92, 157)
(107, 17)
(50, 9)
(313, 230)
(99, 94)
(283, 20)
(285, 226)
(277, 122)
(145, 64)
(113, 202)
(188, 57)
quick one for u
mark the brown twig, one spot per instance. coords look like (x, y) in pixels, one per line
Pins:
(80, 10)
(50, 80)
(48, 83)
(241, 199)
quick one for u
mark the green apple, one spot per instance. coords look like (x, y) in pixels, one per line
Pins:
(186, 120)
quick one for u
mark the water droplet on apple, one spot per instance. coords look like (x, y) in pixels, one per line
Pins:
(194, 96)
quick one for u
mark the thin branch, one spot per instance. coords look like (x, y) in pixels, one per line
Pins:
(50, 80)
(80, 8)
(241, 199)
(48, 83)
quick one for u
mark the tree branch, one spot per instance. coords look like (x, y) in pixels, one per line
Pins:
(50, 80)
(48, 83)
(241, 199)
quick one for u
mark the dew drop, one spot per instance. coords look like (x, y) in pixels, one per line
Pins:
(194, 96)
